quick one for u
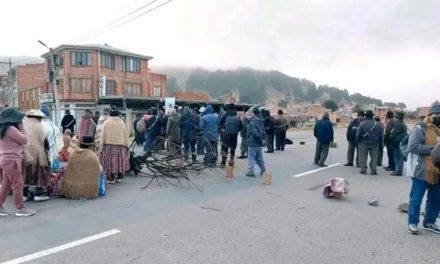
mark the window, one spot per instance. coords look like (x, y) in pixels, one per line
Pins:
(79, 58)
(108, 61)
(81, 85)
(130, 64)
(110, 87)
(156, 91)
(132, 89)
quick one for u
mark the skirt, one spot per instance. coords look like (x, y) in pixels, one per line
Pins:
(115, 159)
(36, 175)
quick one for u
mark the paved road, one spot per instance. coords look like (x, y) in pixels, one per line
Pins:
(233, 221)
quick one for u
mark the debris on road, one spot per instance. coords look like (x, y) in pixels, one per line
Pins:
(267, 178)
(212, 209)
(336, 187)
(403, 207)
(373, 201)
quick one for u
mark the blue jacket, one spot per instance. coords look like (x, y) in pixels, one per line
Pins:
(323, 131)
(255, 132)
(189, 122)
(210, 124)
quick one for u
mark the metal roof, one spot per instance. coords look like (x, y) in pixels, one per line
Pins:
(99, 47)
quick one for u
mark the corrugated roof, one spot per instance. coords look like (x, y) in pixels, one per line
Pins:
(99, 47)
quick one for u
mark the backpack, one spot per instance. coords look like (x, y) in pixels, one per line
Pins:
(232, 125)
(403, 146)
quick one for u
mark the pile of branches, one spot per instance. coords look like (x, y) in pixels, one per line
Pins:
(165, 166)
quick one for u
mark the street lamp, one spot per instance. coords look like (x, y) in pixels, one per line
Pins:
(54, 82)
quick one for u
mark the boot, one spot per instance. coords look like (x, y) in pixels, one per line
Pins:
(194, 157)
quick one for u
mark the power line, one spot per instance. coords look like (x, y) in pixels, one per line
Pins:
(114, 21)
(131, 19)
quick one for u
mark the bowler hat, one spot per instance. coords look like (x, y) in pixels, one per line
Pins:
(390, 114)
(10, 115)
(88, 141)
(35, 113)
(400, 115)
(435, 108)
(369, 114)
(360, 113)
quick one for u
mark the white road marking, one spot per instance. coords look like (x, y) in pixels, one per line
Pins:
(57, 249)
(313, 171)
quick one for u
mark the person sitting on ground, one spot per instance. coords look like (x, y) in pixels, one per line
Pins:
(81, 178)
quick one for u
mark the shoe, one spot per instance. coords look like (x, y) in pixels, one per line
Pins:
(413, 229)
(118, 180)
(241, 157)
(282, 149)
(388, 169)
(110, 182)
(379, 165)
(250, 174)
(315, 163)
(41, 198)
(194, 158)
(363, 172)
(322, 165)
(278, 149)
(432, 227)
(25, 212)
(267, 151)
(3, 212)
(373, 173)
(395, 173)
(348, 164)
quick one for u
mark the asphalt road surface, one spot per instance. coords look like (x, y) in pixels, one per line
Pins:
(235, 220)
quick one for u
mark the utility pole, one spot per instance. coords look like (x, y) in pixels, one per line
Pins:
(54, 82)
(10, 92)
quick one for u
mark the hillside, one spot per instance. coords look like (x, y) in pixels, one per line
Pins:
(263, 87)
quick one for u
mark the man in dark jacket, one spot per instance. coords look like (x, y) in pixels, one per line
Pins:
(243, 134)
(269, 125)
(323, 132)
(138, 135)
(280, 131)
(255, 139)
(152, 131)
(368, 138)
(398, 133)
(387, 141)
(232, 126)
(209, 123)
(351, 138)
(189, 123)
(380, 152)
(68, 122)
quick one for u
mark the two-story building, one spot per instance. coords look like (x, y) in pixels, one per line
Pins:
(88, 75)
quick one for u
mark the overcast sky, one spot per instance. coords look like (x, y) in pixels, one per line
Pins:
(387, 49)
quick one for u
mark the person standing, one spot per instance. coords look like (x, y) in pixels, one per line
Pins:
(398, 133)
(323, 132)
(243, 134)
(139, 138)
(368, 138)
(232, 126)
(280, 131)
(113, 148)
(53, 136)
(351, 138)
(389, 126)
(423, 172)
(105, 115)
(36, 172)
(68, 122)
(87, 127)
(256, 134)
(152, 131)
(210, 126)
(12, 140)
(380, 152)
(269, 125)
(96, 117)
(200, 142)
(173, 132)
(189, 123)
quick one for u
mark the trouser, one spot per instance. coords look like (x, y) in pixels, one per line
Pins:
(211, 152)
(270, 139)
(255, 155)
(352, 147)
(418, 189)
(280, 140)
(229, 143)
(321, 153)
(148, 143)
(243, 146)
(390, 154)
(398, 158)
(200, 145)
(189, 144)
(174, 147)
(364, 150)
(12, 179)
(380, 155)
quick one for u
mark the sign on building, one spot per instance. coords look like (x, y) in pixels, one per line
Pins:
(46, 98)
(102, 81)
(170, 102)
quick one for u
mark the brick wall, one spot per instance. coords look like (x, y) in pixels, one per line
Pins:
(31, 81)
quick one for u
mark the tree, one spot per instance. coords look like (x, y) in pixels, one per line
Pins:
(330, 104)
(283, 103)
(172, 86)
(401, 105)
